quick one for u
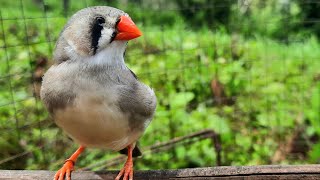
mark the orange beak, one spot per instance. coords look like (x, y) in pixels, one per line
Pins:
(127, 30)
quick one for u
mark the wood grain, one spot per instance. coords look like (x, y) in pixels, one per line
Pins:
(216, 173)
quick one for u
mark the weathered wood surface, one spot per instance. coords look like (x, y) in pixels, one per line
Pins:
(222, 173)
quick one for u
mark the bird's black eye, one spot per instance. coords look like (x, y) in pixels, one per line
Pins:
(100, 20)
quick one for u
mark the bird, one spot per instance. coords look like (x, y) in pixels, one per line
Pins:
(91, 93)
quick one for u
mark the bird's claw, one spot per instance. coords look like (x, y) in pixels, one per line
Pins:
(126, 171)
(65, 171)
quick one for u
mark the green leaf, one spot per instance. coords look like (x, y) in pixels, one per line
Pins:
(181, 99)
(314, 154)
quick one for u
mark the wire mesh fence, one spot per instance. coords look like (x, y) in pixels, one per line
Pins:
(246, 69)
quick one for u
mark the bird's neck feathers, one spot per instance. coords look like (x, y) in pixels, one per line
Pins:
(111, 56)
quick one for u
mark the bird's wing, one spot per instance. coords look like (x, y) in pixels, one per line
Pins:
(139, 102)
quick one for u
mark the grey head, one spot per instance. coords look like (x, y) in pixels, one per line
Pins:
(87, 32)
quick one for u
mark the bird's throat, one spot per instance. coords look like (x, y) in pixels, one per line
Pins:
(111, 56)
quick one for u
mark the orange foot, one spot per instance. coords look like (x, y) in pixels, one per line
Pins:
(65, 171)
(127, 170)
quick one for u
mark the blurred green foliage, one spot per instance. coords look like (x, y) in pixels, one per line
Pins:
(261, 55)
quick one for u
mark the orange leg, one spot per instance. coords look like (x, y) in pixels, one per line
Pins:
(127, 170)
(68, 165)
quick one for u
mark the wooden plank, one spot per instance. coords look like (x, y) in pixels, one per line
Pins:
(33, 175)
(223, 172)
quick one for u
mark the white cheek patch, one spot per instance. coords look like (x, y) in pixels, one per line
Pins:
(105, 38)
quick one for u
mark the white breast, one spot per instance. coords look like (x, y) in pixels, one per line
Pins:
(96, 122)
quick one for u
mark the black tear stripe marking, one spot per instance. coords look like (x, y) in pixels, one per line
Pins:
(113, 36)
(96, 33)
